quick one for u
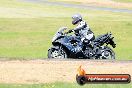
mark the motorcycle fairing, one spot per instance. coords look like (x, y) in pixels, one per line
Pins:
(74, 50)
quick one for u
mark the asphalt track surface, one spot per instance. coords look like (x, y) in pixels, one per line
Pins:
(57, 70)
(78, 6)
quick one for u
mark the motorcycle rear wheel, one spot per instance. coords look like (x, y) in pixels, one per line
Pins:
(57, 53)
(107, 53)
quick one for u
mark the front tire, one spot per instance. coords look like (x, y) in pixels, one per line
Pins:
(57, 52)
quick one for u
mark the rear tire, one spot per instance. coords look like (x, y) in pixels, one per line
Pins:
(57, 52)
(107, 53)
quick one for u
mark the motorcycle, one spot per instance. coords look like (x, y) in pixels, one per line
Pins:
(71, 46)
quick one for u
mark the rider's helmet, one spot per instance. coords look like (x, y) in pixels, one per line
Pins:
(76, 18)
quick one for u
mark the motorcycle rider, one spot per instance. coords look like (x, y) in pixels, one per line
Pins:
(82, 29)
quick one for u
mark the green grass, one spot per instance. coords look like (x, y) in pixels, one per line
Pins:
(123, 1)
(65, 85)
(26, 29)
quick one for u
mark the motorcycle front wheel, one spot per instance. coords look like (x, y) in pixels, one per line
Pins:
(57, 53)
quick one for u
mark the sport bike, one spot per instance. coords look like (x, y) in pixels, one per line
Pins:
(65, 45)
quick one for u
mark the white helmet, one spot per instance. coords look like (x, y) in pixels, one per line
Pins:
(76, 18)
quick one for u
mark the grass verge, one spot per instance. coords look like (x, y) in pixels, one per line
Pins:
(124, 1)
(65, 85)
